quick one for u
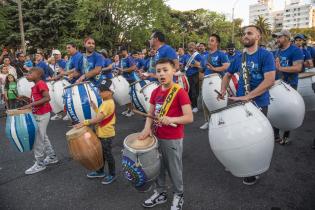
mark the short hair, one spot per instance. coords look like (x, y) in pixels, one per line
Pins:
(38, 70)
(72, 44)
(88, 38)
(191, 43)
(164, 61)
(217, 37)
(204, 44)
(159, 36)
(254, 26)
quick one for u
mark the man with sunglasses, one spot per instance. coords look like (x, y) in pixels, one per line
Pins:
(19, 65)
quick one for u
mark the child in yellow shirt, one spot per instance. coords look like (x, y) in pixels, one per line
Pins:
(105, 130)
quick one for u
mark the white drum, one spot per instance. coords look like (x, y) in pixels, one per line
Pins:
(211, 83)
(24, 87)
(306, 88)
(55, 107)
(58, 88)
(121, 86)
(287, 109)
(242, 139)
(146, 91)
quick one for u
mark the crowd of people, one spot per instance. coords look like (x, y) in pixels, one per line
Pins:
(160, 64)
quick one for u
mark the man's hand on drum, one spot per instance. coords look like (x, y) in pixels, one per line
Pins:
(144, 134)
(81, 79)
(210, 66)
(241, 98)
(222, 94)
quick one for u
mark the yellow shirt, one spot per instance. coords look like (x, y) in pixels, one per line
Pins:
(106, 128)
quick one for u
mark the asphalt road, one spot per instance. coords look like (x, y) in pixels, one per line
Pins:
(288, 184)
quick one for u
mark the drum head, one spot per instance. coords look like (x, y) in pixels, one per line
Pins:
(133, 142)
(212, 75)
(306, 74)
(80, 83)
(12, 112)
(76, 132)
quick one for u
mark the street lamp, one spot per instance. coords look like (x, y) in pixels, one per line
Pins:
(235, 2)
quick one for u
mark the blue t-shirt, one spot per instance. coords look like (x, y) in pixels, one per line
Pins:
(139, 63)
(287, 57)
(48, 72)
(61, 63)
(258, 64)
(232, 57)
(126, 63)
(95, 60)
(182, 58)
(311, 50)
(28, 63)
(204, 54)
(150, 67)
(216, 59)
(77, 62)
(192, 70)
(165, 51)
(106, 63)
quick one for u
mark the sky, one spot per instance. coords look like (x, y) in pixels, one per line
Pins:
(222, 6)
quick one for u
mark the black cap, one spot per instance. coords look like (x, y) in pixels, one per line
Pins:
(105, 85)
(230, 45)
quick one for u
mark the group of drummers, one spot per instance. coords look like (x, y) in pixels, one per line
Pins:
(243, 76)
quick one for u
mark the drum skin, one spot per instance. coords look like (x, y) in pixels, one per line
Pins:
(24, 87)
(85, 147)
(287, 109)
(21, 128)
(305, 88)
(242, 139)
(121, 87)
(182, 81)
(141, 166)
(53, 102)
(78, 99)
(211, 83)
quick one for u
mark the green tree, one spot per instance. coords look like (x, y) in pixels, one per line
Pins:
(265, 26)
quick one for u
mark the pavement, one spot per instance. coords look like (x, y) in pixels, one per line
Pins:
(288, 184)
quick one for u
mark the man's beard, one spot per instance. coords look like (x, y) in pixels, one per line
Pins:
(90, 50)
(249, 44)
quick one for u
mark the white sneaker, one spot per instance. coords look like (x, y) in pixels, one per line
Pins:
(50, 160)
(129, 114)
(56, 117)
(35, 168)
(204, 126)
(125, 112)
(195, 110)
(65, 118)
(178, 202)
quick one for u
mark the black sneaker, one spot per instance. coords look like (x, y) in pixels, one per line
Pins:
(155, 199)
(250, 180)
(178, 202)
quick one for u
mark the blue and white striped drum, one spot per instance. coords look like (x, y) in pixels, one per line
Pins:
(78, 97)
(21, 128)
(140, 94)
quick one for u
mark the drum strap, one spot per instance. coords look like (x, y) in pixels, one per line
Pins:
(245, 74)
(169, 99)
(106, 120)
(191, 59)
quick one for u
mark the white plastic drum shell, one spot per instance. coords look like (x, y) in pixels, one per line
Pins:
(307, 92)
(121, 87)
(55, 107)
(24, 87)
(146, 92)
(287, 109)
(243, 144)
(58, 91)
(211, 83)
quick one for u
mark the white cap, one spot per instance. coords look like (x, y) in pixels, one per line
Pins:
(56, 52)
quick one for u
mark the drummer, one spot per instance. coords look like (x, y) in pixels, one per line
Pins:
(43, 150)
(107, 65)
(215, 61)
(95, 63)
(105, 130)
(149, 67)
(260, 69)
(300, 42)
(289, 62)
(170, 108)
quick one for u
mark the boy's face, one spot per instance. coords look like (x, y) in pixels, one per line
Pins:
(165, 73)
(105, 94)
(5, 70)
(34, 75)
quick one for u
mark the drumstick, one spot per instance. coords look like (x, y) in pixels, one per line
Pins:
(150, 116)
(218, 93)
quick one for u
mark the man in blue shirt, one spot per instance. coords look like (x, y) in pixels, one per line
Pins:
(260, 65)
(95, 63)
(231, 52)
(107, 65)
(215, 61)
(181, 57)
(289, 62)
(202, 49)
(40, 63)
(149, 67)
(138, 61)
(75, 65)
(191, 65)
(60, 63)
(300, 42)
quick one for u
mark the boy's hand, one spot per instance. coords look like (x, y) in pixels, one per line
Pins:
(166, 120)
(26, 107)
(144, 134)
(79, 125)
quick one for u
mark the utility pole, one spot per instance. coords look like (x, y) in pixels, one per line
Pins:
(19, 3)
(233, 20)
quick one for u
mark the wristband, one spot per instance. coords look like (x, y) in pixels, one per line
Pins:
(86, 122)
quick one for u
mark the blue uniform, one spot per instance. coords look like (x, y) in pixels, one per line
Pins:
(311, 50)
(61, 63)
(192, 70)
(149, 67)
(139, 63)
(126, 63)
(216, 59)
(106, 63)
(48, 72)
(165, 51)
(258, 64)
(78, 63)
(232, 57)
(95, 60)
(287, 58)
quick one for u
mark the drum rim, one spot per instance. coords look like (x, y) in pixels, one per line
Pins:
(14, 112)
(155, 145)
(308, 75)
(211, 75)
(231, 106)
(132, 84)
(84, 129)
(141, 90)
(80, 83)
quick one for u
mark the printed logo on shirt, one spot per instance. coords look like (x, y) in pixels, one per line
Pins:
(215, 60)
(284, 61)
(254, 71)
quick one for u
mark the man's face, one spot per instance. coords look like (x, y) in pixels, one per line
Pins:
(298, 42)
(90, 45)
(191, 48)
(6, 61)
(153, 41)
(152, 52)
(165, 73)
(281, 41)
(57, 56)
(212, 43)
(230, 51)
(250, 37)
(5, 70)
(202, 48)
(181, 51)
(124, 53)
(71, 50)
(135, 56)
(21, 57)
(38, 57)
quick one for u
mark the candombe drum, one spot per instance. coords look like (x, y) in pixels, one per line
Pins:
(211, 83)
(141, 161)
(85, 147)
(241, 138)
(21, 128)
(182, 81)
(53, 102)
(24, 87)
(287, 109)
(78, 98)
(121, 87)
(58, 88)
(140, 93)
(306, 88)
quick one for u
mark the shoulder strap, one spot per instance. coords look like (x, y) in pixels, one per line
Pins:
(169, 99)
(192, 57)
(107, 120)
(245, 74)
